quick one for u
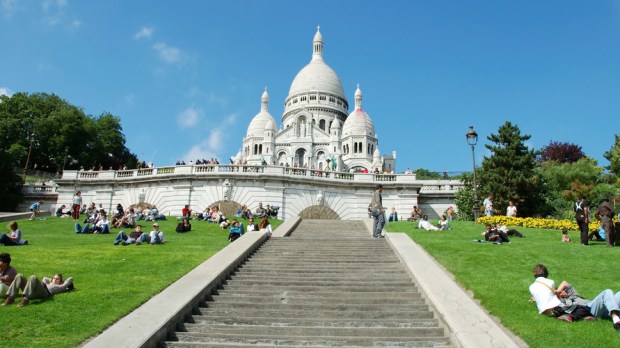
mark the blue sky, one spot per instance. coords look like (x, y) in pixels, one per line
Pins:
(186, 77)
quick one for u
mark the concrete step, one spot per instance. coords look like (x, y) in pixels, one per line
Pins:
(285, 305)
(189, 339)
(260, 293)
(292, 276)
(270, 314)
(286, 322)
(311, 331)
(315, 300)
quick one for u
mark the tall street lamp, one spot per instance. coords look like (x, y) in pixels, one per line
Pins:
(65, 160)
(31, 139)
(472, 140)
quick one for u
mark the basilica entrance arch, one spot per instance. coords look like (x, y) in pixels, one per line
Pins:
(300, 155)
(319, 212)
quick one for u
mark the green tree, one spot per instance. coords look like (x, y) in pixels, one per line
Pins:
(464, 199)
(59, 131)
(425, 174)
(510, 172)
(613, 156)
(10, 182)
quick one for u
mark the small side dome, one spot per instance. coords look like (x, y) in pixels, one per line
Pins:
(358, 122)
(335, 125)
(271, 126)
(260, 121)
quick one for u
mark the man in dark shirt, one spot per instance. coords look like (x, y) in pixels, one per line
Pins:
(581, 215)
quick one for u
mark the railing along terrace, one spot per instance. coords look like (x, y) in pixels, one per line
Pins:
(427, 186)
(39, 188)
(440, 187)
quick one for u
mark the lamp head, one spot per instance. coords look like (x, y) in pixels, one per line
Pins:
(472, 136)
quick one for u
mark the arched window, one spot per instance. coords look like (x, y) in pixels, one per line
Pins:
(260, 149)
(322, 124)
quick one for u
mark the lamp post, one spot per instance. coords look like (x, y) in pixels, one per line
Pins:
(65, 160)
(31, 139)
(472, 140)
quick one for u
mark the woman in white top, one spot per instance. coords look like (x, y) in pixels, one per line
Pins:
(511, 210)
(265, 226)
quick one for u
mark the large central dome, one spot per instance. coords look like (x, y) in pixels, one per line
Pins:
(317, 76)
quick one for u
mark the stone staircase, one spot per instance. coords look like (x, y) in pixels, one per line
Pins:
(327, 285)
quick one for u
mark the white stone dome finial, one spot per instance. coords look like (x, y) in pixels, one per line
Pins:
(317, 44)
(358, 98)
(264, 100)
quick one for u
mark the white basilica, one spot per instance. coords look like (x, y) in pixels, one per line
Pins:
(317, 130)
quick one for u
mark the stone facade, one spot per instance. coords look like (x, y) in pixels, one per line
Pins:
(335, 194)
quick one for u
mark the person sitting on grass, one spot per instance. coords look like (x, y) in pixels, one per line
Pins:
(393, 216)
(15, 238)
(102, 226)
(155, 237)
(565, 237)
(265, 226)
(598, 235)
(33, 288)
(59, 212)
(252, 226)
(184, 226)
(35, 208)
(444, 224)
(132, 238)
(425, 225)
(7, 273)
(235, 230)
(496, 236)
(186, 213)
(128, 220)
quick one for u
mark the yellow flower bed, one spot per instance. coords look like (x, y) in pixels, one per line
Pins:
(532, 222)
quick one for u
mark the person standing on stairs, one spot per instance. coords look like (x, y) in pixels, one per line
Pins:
(378, 212)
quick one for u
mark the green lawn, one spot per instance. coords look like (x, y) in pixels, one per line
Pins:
(110, 280)
(499, 276)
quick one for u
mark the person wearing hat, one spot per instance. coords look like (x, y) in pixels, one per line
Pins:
(155, 237)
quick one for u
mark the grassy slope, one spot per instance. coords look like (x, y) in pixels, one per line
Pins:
(499, 276)
(110, 280)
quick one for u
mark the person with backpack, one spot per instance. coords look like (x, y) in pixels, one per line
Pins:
(581, 216)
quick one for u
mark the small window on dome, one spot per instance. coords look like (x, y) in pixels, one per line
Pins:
(332, 99)
(295, 101)
(322, 97)
(313, 97)
(339, 103)
(303, 98)
(322, 124)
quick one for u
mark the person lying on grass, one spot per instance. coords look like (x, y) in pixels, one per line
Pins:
(33, 288)
(566, 304)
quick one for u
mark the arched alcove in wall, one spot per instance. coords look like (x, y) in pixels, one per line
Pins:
(228, 208)
(319, 212)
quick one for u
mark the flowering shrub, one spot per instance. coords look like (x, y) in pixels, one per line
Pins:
(536, 223)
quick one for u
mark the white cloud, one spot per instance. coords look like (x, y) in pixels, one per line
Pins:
(6, 91)
(215, 140)
(189, 117)
(56, 12)
(129, 98)
(168, 54)
(212, 98)
(230, 119)
(8, 7)
(144, 32)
